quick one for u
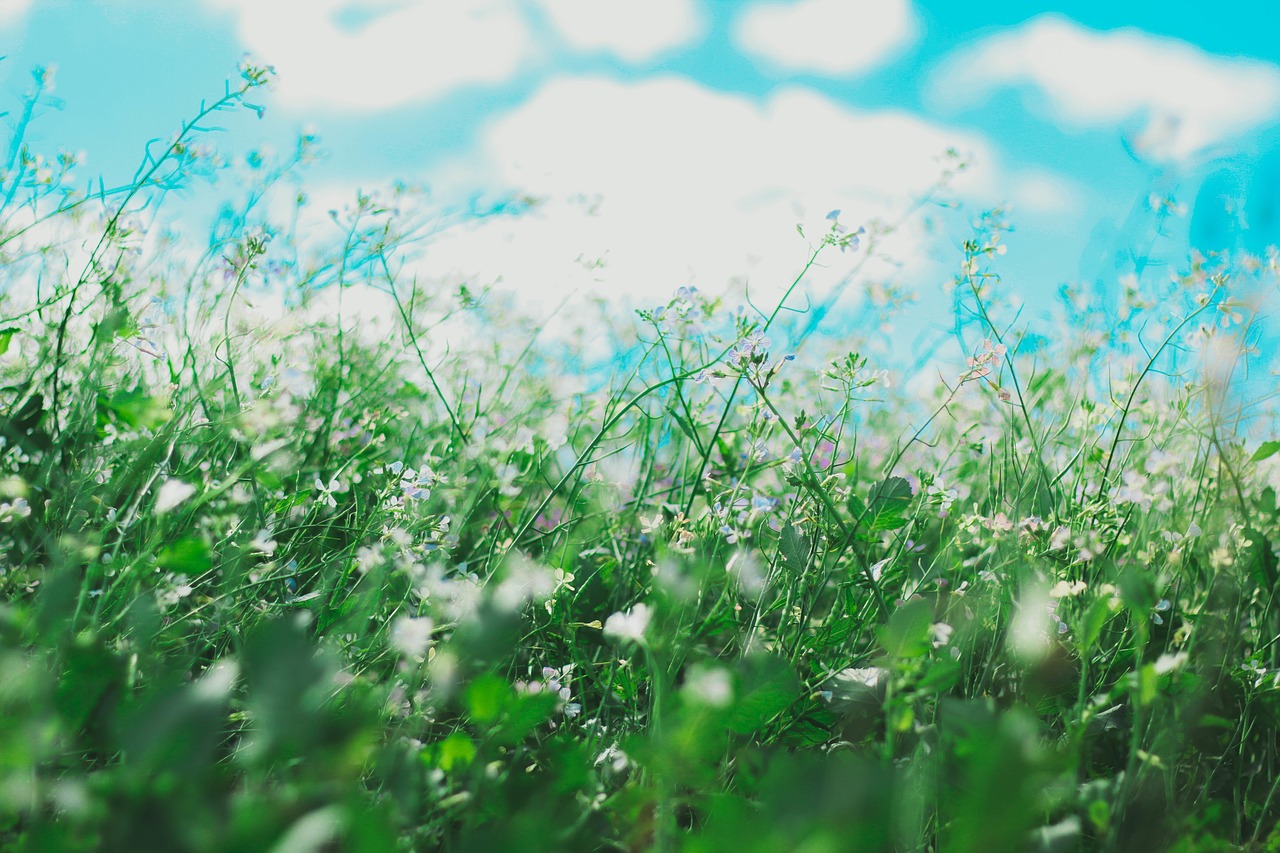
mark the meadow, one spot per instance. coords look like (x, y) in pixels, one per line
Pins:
(317, 582)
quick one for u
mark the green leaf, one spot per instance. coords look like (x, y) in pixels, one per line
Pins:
(794, 548)
(890, 492)
(908, 634)
(857, 509)
(6, 335)
(888, 521)
(1100, 814)
(187, 556)
(941, 677)
(487, 697)
(1268, 449)
(768, 688)
(137, 408)
(686, 427)
(456, 750)
(116, 324)
(1267, 501)
(1094, 620)
(887, 504)
(813, 729)
(90, 671)
(1260, 559)
(1147, 683)
(268, 479)
(525, 713)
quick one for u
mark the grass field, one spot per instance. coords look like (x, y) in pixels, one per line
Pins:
(316, 583)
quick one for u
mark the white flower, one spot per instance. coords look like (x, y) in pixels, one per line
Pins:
(326, 492)
(19, 508)
(411, 635)
(525, 581)
(630, 625)
(941, 634)
(710, 686)
(1067, 589)
(172, 493)
(263, 543)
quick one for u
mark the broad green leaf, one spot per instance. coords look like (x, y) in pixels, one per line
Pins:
(116, 324)
(768, 687)
(795, 548)
(187, 556)
(1147, 683)
(525, 713)
(1260, 559)
(456, 750)
(1268, 449)
(487, 697)
(1094, 620)
(941, 676)
(907, 635)
(887, 505)
(137, 408)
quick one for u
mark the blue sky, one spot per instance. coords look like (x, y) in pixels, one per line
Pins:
(680, 141)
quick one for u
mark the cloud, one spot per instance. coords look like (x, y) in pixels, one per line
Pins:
(378, 54)
(12, 12)
(838, 38)
(1039, 191)
(1185, 98)
(662, 183)
(636, 32)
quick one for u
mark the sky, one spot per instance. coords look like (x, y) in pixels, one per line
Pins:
(680, 142)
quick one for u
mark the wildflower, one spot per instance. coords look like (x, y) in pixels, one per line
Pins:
(263, 543)
(999, 523)
(1162, 606)
(557, 682)
(1067, 589)
(368, 558)
(326, 492)
(171, 494)
(980, 365)
(848, 242)
(18, 508)
(525, 581)
(1168, 663)
(613, 758)
(941, 634)
(411, 635)
(1255, 671)
(628, 626)
(711, 686)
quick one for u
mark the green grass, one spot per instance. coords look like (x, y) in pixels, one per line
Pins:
(318, 583)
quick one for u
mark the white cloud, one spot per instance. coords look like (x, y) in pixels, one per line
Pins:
(13, 11)
(667, 183)
(1185, 98)
(1040, 191)
(839, 38)
(377, 54)
(636, 32)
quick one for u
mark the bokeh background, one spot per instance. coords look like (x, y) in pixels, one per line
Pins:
(648, 146)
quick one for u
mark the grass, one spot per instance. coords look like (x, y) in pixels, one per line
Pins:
(320, 583)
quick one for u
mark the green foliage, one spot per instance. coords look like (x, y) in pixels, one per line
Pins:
(328, 582)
